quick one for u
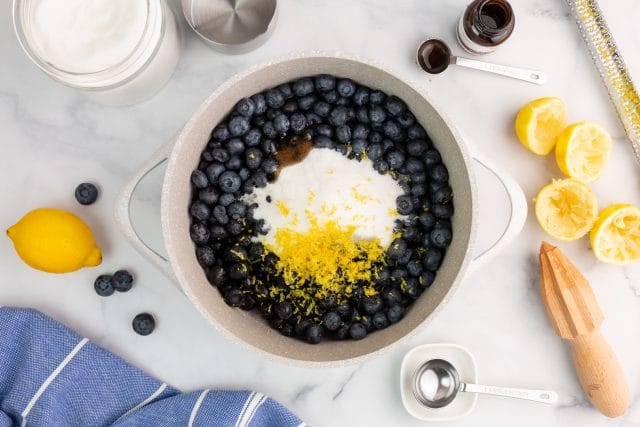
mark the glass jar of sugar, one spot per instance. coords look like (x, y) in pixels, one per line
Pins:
(117, 51)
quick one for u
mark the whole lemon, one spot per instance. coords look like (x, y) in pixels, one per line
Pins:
(54, 241)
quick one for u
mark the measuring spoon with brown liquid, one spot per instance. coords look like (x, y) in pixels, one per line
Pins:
(434, 56)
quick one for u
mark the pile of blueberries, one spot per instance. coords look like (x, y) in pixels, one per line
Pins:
(359, 122)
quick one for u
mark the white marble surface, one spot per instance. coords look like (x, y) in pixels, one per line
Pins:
(54, 138)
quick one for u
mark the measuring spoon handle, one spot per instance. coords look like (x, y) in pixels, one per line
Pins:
(531, 76)
(544, 396)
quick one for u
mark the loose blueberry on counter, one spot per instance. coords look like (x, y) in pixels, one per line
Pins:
(143, 324)
(103, 285)
(86, 193)
(314, 334)
(123, 280)
(357, 331)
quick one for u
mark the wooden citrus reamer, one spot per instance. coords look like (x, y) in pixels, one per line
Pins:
(576, 317)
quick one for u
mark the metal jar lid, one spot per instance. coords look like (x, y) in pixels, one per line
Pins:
(232, 26)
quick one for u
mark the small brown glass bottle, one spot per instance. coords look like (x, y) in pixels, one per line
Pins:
(485, 25)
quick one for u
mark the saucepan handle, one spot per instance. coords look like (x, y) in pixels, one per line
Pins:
(122, 212)
(517, 207)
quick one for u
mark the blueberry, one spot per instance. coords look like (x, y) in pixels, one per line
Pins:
(431, 259)
(322, 109)
(444, 211)
(221, 132)
(393, 131)
(338, 116)
(253, 137)
(258, 121)
(205, 256)
(361, 96)
(199, 210)
(342, 333)
(419, 178)
(214, 170)
(376, 138)
(439, 173)
(406, 119)
(220, 214)
(238, 271)
(380, 321)
(372, 304)
(324, 130)
(331, 96)
(314, 334)
(199, 179)
(303, 86)
(300, 326)
(374, 151)
(235, 227)
(346, 87)
(419, 190)
(377, 115)
(270, 166)
(143, 324)
(411, 234)
(283, 310)
(103, 285)
(286, 90)
(359, 147)
(416, 132)
(268, 130)
(442, 195)
(220, 155)
(411, 288)
(253, 158)
(398, 274)
(208, 195)
(269, 147)
(290, 107)
(414, 268)
(360, 131)
(414, 165)
(259, 103)
(381, 166)
(226, 199)
(237, 210)
(217, 276)
(230, 182)
(395, 158)
(260, 179)
(272, 113)
(325, 82)
(281, 124)
(357, 331)
(274, 98)
(286, 329)
(397, 248)
(246, 107)
(235, 146)
(123, 280)
(394, 105)
(199, 233)
(244, 174)
(306, 103)
(233, 297)
(218, 232)
(87, 194)
(404, 205)
(234, 163)
(426, 279)
(427, 220)
(343, 134)
(298, 122)
(342, 149)
(395, 313)
(362, 115)
(332, 321)
(377, 97)
(431, 158)
(313, 119)
(238, 125)
(391, 296)
(324, 142)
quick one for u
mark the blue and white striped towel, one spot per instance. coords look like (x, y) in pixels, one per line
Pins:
(51, 376)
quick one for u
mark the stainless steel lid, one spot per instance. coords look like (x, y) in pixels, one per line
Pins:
(232, 26)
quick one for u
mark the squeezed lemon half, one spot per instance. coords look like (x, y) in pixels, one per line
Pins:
(539, 122)
(615, 237)
(582, 151)
(566, 209)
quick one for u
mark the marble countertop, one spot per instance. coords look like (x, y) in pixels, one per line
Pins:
(53, 138)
